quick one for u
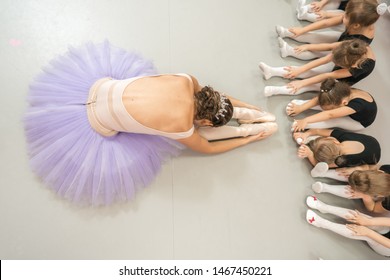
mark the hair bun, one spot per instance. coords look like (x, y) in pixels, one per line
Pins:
(381, 8)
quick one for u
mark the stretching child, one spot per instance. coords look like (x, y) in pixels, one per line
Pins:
(344, 107)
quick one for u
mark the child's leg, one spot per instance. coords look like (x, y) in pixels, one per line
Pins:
(327, 36)
(325, 68)
(338, 190)
(227, 131)
(284, 90)
(288, 50)
(344, 123)
(314, 203)
(315, 220)
(322, 170)
(281, 71)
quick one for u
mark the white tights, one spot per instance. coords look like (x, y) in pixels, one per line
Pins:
(346, 122)
(342, 230)
(280, 71)
(312, 37)
(304, 12)
(288, 50)
(322, 170)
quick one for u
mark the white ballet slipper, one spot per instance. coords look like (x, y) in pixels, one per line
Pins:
(282, 47)
(302, 13)
(314, 203)
(312, 218)
(283, 32)
(320, 169)
(317, 187)
(266, 70)
(265, 117)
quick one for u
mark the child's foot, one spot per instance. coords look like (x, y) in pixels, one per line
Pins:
(283, 47)
(320, 169)
(312, 218)
(266, 70)
(314, 203)
(283, 32)
(317, 187)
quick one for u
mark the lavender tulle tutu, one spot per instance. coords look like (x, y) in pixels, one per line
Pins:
(66, 153)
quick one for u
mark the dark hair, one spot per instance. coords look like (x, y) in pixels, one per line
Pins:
(214, 106)
(333, 92)
(349, 53)
(362, 12)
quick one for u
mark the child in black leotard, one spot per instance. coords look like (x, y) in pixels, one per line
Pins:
(359, 21)
(373, 187)
(344, 107)
(339, 148)
(355, 60)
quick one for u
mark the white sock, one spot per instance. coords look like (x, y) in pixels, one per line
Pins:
(338, 190)
(283, 32)
(320, 169)
(269, 71)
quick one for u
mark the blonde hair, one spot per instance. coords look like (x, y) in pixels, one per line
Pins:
(324, 149)
(371, 182)
(349, 53)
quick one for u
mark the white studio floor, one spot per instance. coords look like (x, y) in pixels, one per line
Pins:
(245, 204)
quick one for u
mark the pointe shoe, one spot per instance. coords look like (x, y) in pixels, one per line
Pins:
(320, 169)
(265, 117)
(256, 128)
(265, 69)
(317, 187)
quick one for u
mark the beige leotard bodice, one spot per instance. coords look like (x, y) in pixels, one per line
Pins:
(108, 115)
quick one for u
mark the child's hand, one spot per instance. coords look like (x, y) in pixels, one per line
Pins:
(304, 151)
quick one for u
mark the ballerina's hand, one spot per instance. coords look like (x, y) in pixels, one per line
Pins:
(321, 15)
(316, 6)
(299, 125)
(304, 151)
(358, 230)
(294, 86)
(293, 109)
(354, 216)
(297, 31)
(346, 171)
(292, 72)
(262, 135)
(301, 48)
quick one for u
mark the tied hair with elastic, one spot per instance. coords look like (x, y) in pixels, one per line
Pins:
(381, 9)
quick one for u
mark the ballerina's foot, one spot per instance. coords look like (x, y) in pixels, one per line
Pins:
(319, 170)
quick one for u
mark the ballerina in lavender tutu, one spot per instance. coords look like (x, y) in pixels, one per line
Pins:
(101, 122)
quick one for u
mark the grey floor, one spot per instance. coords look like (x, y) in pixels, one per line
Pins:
(245, 204)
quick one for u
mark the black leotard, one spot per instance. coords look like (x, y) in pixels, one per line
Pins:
(370, 155)
(365, 111)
